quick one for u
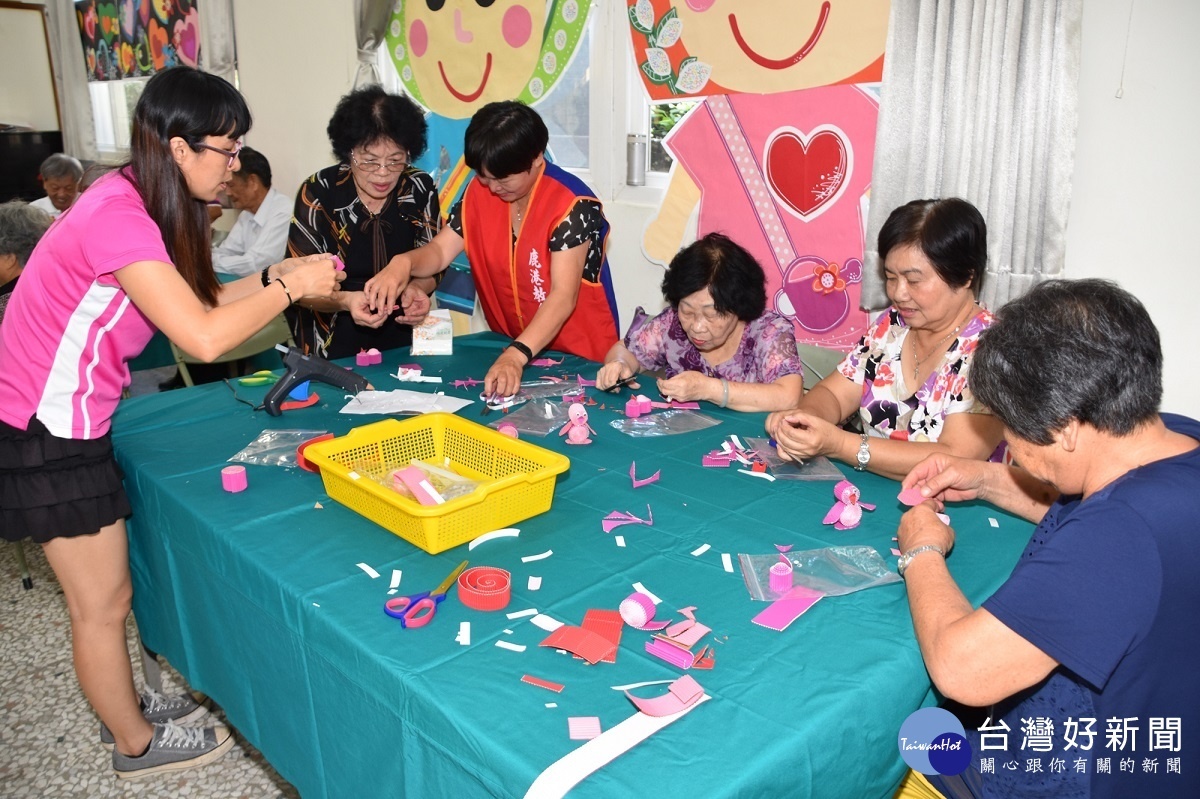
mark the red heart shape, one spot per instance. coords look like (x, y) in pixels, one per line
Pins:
(807, 173)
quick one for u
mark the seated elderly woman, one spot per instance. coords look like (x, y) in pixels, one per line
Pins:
(1086, 631)
(21, 227)
(716, 341)
(908, 377)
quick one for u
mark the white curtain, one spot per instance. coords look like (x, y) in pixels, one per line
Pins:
(218, 51)
(979, 102)
(370, 26)
(70, 81)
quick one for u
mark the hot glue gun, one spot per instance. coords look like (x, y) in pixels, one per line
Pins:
(300, 368)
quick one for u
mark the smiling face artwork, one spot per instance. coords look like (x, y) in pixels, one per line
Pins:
(705, 47)
(455, 56)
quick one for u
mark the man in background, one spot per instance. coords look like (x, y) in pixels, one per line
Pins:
(60, 175)
(259, 236)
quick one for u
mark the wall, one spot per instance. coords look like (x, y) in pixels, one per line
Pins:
(1137, 170)
(1135, 165)
(30, 100)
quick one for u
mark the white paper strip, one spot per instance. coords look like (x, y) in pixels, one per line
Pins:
(726, 561)
(513, 647)
(620, 539)
(534, 583)
(700, 550)
(370, 572)
(516, 614)
(546, 623)
(633, 685)
(464, 633)
(507, 532)
(540, 556)
(571, 769)
(396, 575)
(552, 704)
(770, 478)
(993, 521)
(644, 590)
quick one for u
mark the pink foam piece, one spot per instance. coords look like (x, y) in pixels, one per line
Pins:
(583, 381)
(716, 461)
(415, 481)
(784, 547)
(363, 358)
(633, 408)
(676, 656)
(233, 479)
(680, 694)
(911, 497)
(644, 481)
(782, 612)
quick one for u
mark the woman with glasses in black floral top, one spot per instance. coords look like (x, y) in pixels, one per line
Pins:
(368, 208)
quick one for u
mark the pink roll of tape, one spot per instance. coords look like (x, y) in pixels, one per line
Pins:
(363, 358)
(508, 429)
(644, 403)
(780, 578)
(233, 479)
(637, 609)
(633, 408)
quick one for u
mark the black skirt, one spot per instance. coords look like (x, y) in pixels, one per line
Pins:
(54, 487)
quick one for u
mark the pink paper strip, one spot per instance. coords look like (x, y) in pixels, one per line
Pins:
(718, 461)
(645, 481)
(583, 381)
(545, 362)
(415, 481)
(608, 624)
(911, 497)
(583, 728)
(591, 647)
(680, 658)
(682, 693)
(540, 683)
(782, 612)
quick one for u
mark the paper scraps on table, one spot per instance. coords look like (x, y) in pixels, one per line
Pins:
(539, 556)
(770, 478)
(896, 553)
(686, 633)
(676, 405)
(402, 401)
(644, 481)
(396, 575)
(584, 382)
(374, 575)
(619, 540)
(552, 704)
(706, 658)
(469, 382)
(700, 550)
(993, 521)
(517, 614)
(784, 547)
(641, 589)
(847, 512)
(583, 728)
(507, 532)
(545, 362)
(676, 656)
(782, 612)
(319, 506)
(414, 374)
(617, 518)
(535, 583)
(571, 769)
(608, 624)
(547, 623)
(511, 647)
(464, 633)
(727, 562)
(590, 646)
(681, 694)
(632, 685)
(556, 687)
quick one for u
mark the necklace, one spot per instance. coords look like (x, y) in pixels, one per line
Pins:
(919, 359)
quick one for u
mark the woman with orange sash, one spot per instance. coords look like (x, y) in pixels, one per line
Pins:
(535, 236)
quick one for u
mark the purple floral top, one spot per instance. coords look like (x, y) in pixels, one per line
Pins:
(766, 352)
(890, 408)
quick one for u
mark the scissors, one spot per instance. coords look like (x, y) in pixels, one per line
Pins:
(417, 610)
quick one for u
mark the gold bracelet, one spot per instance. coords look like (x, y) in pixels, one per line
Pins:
(279, 280)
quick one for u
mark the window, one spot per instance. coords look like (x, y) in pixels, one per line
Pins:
(113, 102)
(567, 111)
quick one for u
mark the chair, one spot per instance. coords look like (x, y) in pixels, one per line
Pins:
(23, 565)
(276, 332)
(819, 363)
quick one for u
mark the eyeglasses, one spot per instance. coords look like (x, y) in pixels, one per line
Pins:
(371, 165)
(231, 154)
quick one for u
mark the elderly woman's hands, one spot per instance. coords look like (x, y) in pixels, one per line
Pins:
(946, 478)
(504, 378)
(361, 312)
(799, 435)
(691, 386)
(920, 526)
(389, 284)
(612, 373)
(415, 304)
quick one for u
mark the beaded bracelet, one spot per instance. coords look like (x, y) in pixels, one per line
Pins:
(279, 280)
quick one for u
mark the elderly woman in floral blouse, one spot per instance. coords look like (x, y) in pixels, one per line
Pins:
(907, 379)
(716, 341)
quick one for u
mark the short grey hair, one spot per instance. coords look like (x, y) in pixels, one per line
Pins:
(21, 226)
(61, 165)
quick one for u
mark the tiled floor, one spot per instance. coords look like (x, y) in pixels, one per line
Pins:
(49, 736)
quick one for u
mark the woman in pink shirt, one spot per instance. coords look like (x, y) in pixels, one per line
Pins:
(129, 257)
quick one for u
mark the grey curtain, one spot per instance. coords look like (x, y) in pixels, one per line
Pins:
(70, 81)
(979, 102)
(218, 51)
(370, 26)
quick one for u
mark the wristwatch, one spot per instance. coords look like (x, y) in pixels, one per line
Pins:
(864, 454)
(908, 556)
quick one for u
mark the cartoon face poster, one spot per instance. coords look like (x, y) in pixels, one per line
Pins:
(703, 47)
(134, 38)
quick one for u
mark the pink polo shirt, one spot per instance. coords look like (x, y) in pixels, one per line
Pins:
(70, 329)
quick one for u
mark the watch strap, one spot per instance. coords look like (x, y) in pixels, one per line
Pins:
(907, 557)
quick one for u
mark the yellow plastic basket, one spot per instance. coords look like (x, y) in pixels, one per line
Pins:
(519, 477)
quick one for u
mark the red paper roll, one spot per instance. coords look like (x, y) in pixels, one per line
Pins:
(485, 588)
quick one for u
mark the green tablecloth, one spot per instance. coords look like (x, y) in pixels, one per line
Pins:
(256, 598)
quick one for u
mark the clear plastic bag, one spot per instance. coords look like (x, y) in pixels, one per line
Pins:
(444, 480)
(275, 448)
(664, 423)
(819, 468)
(833, 571)
(539, 417)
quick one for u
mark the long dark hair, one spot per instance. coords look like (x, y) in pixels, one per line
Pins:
(190, 104)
